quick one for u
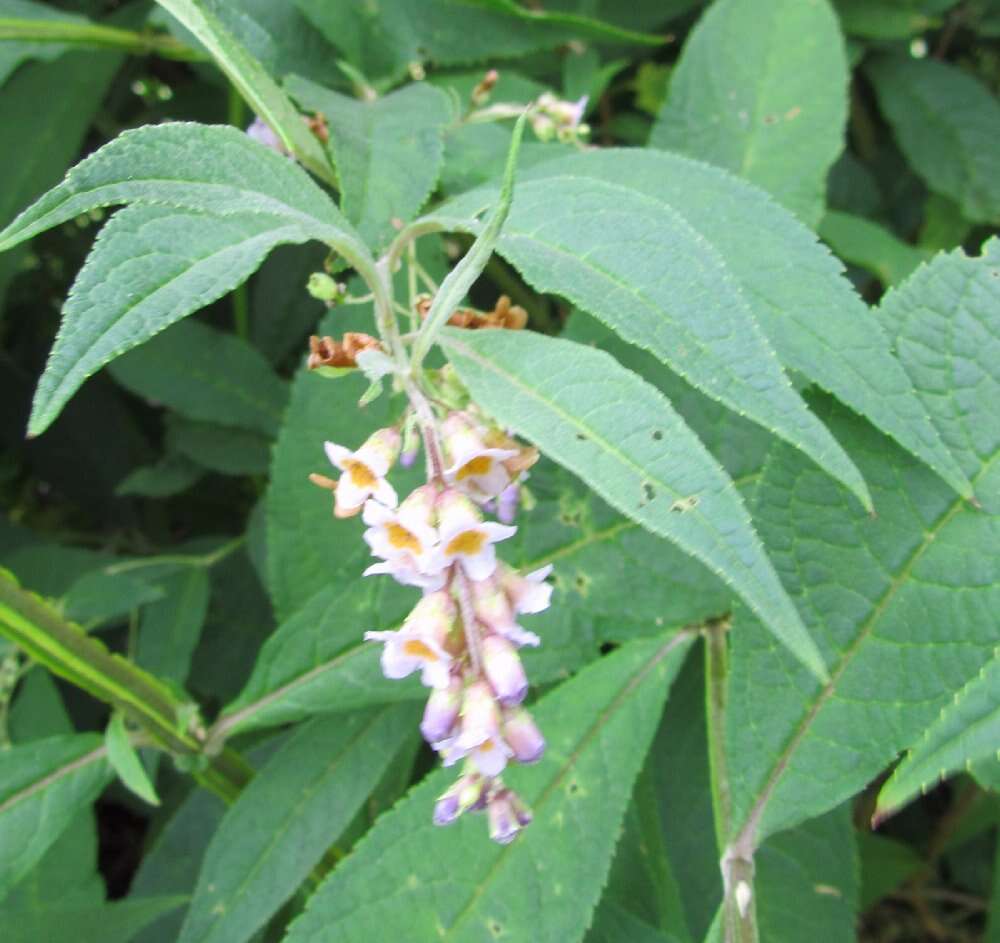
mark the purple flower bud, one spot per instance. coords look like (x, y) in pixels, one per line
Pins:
(507, 503)
(523, 737)
(505, 817)
(504, 670)
(441, 712)
(264, 134)
(467, 792)
(407, 458)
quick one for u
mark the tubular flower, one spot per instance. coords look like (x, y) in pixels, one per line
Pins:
(465, 538)
(364, 472)
(477, 470)
(420, 643)
(462, 636)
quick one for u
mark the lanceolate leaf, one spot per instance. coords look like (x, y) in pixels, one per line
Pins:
(150, 266)
(290, 814)
(203, 373)
(622, 437)
(125, 760)
(862, 242)
(796, 290)
(73, 89)
(204, 168)
(761, 89)
(946, 123)
(388, 152)
(255, 85)
(409, 879)
(626, 255)
(967, 730)
(44, 785)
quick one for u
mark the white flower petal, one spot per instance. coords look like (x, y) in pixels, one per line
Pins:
(337, 454)
(497, 532)
(481, 565)
(385, 493)
(490, 757)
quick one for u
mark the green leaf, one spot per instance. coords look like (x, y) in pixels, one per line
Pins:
(462, 277)
(944, 325)
(113, 922)
(900, 607)
(149, 267)
(125, 761)
(610, 434)
(171, 475)
(202, 168)
(169, 629)
(99, 597)
(307, 548)
(793, 287)
(73, 89)
(808, 878)
(12, 51)
(207, 375)
(219, 448)
(946, 123)
(44, 785)
(884, 19)
(598, 727)
(614, 924)
(384, 41)
(388, 152)
(761, 89)
(289, 815)
(885, 865)
(626, 254)
(261, 92)
(861, 242)
(967, 730)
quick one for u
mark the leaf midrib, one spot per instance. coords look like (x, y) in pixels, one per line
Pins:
(39, 785)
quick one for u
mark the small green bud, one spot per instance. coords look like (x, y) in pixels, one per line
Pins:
(323, 288)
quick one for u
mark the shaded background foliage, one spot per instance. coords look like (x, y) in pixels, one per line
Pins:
(165, 508)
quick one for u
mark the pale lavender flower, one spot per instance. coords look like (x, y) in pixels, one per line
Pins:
(507, 503)
(503, 670)
(465, 538)
(364, 471)
(494, 609)
(527, 594)
(420, 643)
(476, 469)
(406, 536)
(441, 712)
(507, 815)
(467, 792)
(522, 736)
(263, 133)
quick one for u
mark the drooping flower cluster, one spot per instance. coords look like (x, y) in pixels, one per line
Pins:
(463, 635)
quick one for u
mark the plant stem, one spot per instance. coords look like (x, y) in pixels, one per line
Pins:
(739, 903)
(41, 632)
(96, 36)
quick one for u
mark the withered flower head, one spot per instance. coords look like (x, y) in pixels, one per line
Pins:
(327, 352)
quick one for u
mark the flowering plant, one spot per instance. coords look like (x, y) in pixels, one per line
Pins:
(647, 357)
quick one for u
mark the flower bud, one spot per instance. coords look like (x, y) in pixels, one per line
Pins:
(523, 737)
(508, 815)
(467, 792)
(441, 712)
(504, 670)
(507, 503)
